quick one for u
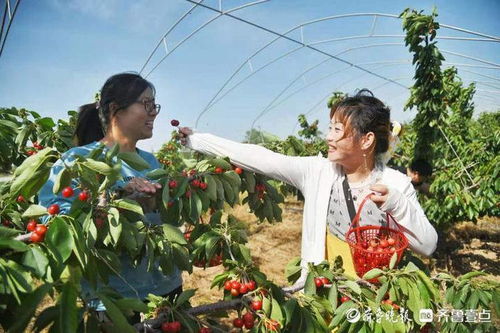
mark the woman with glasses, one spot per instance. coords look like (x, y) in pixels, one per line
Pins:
(124, 114)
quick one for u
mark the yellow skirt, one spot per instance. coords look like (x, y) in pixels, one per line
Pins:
(337, 247)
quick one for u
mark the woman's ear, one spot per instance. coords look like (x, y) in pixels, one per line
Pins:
(367, 141)
(113, 107)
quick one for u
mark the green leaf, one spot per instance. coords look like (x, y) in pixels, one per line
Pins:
(67, 310)
(173, 234)
(381, 292)
(134, 304)
(184, 297)
(276, 312)
(98, 166)
(35, 211)
(393, 261)
(353, 286)
(373, 273)
(310, 286)
(37, 260)
(63, 179)
(181, 257)
(116, 316)
(266, 306)
(129, 205)
(293, 270)
(211, 187)
(115, 225)
(221, 163)
(470, 275)
(134, 160)
(59, 238)
(333, 296)
(13, 244)
(157, 174)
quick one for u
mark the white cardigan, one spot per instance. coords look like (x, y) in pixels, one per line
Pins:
(314, 177)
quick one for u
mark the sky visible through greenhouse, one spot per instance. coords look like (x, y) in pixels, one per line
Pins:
(59, 53)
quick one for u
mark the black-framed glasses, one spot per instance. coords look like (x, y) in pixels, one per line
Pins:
(150, 106)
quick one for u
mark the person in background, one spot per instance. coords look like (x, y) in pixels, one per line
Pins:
(124, 114)
(420, 171)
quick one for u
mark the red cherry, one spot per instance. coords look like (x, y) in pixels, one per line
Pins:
(176, 326)
(248, 317)
(30, 152)
(219, 170)
(391, 241)
(174, 122)
(256, 305)
(325, 280)
(187, 236)
(384, 243)
(53, 209)
(249, 324)
(318, 282)
(67, 192)
(99, 222)
(166, 327)
(228, 285)
(205, 330)
(6, 223)
(20, 199)
(239, 171)
(364, 245)
(344, 299)
(203, 185)
(172, 184)
(243, 289)
(373, 243)
(235, 292)
(195, 183)
(35, 238)
(31, 225)
(188, 194)
(192, 172)
(41, 229)
(170, 203)
(235, 284)
(83, 196)
(238, 322)
(251, 285)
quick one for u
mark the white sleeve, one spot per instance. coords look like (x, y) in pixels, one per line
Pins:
(407, 211)
(290, 169)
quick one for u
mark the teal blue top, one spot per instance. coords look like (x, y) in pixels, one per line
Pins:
(139, 278)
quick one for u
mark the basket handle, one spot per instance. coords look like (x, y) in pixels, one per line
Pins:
(355, 220)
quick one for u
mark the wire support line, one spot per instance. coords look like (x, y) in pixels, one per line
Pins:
(198, 29)
(472, 58)
(3, 37)
(162, 39)
(292, 40)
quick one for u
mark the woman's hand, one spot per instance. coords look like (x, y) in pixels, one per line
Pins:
(142, 191)
(382, 194)
(184, 132)
(141, 185)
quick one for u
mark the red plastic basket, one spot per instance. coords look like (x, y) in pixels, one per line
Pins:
(364, 256)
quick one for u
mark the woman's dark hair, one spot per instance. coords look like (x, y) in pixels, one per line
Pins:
(422, 167)
(93, 119)
(363, 113)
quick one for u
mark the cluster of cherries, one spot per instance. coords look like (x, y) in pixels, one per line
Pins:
(237, 288)
(37, 231)
(173, 326)
(216, 260)
(378, 245)
(322, 281)
(248, 319)
(36, 147)
(260, 189)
